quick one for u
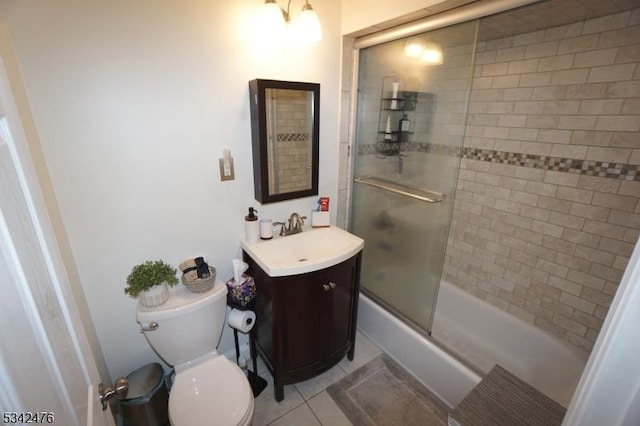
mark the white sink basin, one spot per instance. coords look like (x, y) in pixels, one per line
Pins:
(308, 251)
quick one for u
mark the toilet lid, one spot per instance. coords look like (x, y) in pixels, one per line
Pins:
(215, 390)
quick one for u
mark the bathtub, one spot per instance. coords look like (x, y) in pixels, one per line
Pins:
(480, 333)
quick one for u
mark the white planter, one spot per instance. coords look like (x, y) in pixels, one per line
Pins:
(155, 296)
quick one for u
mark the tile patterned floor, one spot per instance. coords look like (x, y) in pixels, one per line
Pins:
(307, 403)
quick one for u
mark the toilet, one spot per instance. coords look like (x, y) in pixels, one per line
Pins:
(185, 332)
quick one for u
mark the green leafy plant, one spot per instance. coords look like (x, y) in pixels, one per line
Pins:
(147, 275)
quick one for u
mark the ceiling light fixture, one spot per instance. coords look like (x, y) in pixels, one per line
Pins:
(277, 21)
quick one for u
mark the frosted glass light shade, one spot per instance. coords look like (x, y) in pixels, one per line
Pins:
(272, 21)
(306, 26)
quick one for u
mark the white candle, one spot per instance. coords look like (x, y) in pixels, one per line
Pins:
(387, 132)
(394, 96)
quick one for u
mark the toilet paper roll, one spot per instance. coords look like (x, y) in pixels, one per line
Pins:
(241, 320)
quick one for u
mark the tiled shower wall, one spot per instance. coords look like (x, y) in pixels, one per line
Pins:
(547, 206)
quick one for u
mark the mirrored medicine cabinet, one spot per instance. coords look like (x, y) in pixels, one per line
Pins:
(285, 130)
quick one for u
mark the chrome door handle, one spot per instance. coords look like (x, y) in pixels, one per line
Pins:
(152, 327)
(119, 390)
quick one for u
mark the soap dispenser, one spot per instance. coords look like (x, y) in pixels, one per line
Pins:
(251, 226)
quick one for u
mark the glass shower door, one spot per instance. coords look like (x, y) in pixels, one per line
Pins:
(412, 97)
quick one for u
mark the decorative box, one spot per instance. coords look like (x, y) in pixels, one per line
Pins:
(241, 295)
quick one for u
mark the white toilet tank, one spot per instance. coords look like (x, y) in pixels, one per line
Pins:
(189, 325)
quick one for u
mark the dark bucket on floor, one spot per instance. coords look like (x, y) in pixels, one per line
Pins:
(147, 401)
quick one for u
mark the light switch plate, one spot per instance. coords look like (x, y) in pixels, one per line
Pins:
(230, 174)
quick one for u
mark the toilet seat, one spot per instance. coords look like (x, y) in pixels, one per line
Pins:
(215, 391)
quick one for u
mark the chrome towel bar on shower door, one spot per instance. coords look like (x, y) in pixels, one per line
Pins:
(401, 189)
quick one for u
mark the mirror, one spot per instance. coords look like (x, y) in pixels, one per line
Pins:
(285, 129)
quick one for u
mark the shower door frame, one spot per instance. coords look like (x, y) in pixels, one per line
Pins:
(445, 19)
(354, 44)
(425, 195)
(455, 16)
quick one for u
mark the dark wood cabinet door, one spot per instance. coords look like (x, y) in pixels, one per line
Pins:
(303, 322)
(339, 303)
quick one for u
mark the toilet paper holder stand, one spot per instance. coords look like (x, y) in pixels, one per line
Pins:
(258, 384)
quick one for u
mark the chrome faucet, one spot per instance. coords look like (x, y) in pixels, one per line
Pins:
(292, 226)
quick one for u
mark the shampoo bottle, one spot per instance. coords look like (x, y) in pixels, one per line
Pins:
(403, 128)
(251, 226)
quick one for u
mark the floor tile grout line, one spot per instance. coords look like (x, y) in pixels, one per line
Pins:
(358, 362)
(314, 414)
(288, 412)
(305, 401)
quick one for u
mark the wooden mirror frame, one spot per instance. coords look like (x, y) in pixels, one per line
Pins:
(259, 138)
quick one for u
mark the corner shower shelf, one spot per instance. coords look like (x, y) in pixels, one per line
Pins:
(415, 192)
(395, 136)
(405, 103)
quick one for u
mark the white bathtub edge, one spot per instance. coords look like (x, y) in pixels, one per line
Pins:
(446, 377)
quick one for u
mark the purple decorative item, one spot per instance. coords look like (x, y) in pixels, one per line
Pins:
(241, 295)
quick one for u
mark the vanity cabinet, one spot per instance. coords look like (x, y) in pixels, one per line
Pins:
(305, 323)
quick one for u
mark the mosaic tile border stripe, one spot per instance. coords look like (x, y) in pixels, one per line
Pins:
(620, 171)
(569, 165)
(288, 137)
(410, 147)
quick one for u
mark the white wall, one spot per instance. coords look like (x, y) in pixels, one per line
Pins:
(134, 103)
(361, 14)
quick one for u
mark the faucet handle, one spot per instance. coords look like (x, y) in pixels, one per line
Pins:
(282, 225)
(296, 221)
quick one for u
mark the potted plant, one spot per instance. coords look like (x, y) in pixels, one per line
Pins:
(150, 281)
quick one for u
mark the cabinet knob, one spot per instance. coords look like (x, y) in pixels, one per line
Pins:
(329, 286)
